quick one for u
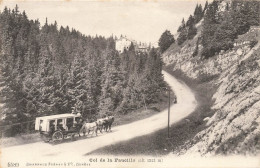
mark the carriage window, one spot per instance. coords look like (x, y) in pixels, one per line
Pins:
(52, 122)
(59, 121)
(60, 125)
(52, 125)
(69, 122)
(40, 126)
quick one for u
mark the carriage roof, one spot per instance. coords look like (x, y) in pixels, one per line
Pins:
(58, 116)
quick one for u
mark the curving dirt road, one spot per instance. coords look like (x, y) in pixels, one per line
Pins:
(40, 150)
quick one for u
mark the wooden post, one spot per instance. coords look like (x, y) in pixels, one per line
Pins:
(144, 102)
(169, 106)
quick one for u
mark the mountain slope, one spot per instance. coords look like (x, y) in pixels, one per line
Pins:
(235, 126)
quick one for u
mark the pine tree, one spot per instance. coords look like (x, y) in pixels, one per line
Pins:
(191, 29)
(166, 40)
(182, 26)
(210, 26)
(76, 86)
(182, 36)
(198, 13)
(111, 84)
(205, 7)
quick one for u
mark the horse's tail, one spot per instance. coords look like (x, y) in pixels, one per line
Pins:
(95, 128)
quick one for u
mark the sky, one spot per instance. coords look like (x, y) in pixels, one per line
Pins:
(143, 21)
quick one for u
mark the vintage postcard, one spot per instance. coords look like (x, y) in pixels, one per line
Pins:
(127, 83)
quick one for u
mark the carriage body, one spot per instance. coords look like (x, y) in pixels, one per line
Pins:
(44, 124)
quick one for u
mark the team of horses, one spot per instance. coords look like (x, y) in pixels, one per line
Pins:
(102, 124)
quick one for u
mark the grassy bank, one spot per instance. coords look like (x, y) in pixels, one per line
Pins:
(186, 129)
(120, 119)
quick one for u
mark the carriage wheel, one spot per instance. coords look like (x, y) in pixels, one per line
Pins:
(57, 136)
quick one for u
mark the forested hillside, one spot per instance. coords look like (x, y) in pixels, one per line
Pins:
(49, 70)
(224, 22)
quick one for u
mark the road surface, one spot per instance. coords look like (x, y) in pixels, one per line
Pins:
(40, 150)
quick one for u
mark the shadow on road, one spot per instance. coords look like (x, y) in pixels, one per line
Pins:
(80, 138)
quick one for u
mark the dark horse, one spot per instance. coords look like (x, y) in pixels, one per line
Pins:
(108, 123)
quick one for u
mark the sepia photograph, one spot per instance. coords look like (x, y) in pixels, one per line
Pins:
(129, 83)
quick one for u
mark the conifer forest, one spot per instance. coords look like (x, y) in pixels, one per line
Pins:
(48, 69)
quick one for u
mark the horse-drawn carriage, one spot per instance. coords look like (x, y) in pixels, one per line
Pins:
(55, 128)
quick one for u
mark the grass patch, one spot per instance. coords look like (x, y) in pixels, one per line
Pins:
(20, 139)
(157, 144)
(142, 113)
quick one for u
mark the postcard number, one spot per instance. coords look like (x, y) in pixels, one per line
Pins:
(10, 164)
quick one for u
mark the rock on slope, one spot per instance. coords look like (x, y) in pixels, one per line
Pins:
(235, 126)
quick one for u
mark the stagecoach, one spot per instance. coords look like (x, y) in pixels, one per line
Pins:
(57, 127)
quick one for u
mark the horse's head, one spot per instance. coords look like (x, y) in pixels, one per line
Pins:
(105, 121)
(99, 121)
(111, 117)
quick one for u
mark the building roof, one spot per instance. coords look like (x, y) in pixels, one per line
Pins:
(58, 116)
(126, 38)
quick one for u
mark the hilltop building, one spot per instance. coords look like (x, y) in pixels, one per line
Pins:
(124, 43)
